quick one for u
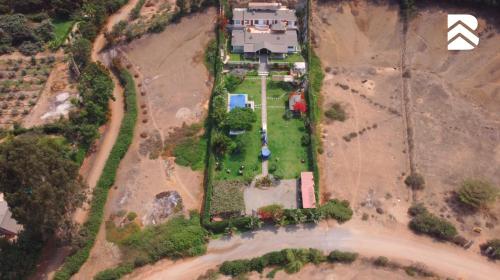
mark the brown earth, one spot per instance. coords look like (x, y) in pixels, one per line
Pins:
(177, 88)
(453, 107)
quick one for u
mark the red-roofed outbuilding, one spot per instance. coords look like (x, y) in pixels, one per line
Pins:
(307, 190)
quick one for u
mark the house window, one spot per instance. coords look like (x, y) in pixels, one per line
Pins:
(237, 22)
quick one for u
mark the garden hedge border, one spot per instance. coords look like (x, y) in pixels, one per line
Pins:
(315, 74)
(73, 263)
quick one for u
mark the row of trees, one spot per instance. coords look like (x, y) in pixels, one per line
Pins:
(17, 32)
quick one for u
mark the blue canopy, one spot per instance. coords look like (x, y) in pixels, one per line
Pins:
(265, 152)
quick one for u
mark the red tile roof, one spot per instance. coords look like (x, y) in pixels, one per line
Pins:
(307, 189)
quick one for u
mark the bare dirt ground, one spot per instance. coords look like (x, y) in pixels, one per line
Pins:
(361, 45)
(59, 83)
(454, 106)
(173, 88)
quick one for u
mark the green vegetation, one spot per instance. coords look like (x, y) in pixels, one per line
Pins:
(90, 228)
(381, 261)
(80, 50)
(135, 13)
(177, 238)
(115, 273)
(191, 152)
(245, 147)
(240, 119)
(290, 158)
(336, 112)
(40, 182)
(290, 58)
(336, 209)
(415, 181)
(291, 260)
(337, 256)
(227, 199)
(19, 257)
(491, 249)
(477, 194)
(62, 28)
(212, 56)
(427, 223)
(118, 234)
(17, 32)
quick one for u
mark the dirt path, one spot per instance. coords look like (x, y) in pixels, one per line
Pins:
(108, 137)
(93, 165)
(441, 258)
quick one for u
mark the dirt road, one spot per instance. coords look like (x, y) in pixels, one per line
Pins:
(94, 165)
(441, 258)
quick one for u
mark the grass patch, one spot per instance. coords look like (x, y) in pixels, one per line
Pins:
(191, 152)
(289, 156)
(90, 228)
(290, 58)
(62, 28)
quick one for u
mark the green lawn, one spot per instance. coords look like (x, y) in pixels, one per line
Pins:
(61, 29)
(250, 157)
(284, 136)
(296, 57)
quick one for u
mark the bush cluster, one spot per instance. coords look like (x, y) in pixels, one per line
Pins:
(477, 194)
(427, 223)
(336, 112)
(91, 227)
(342, 257)
(292, 260)
(491, 249)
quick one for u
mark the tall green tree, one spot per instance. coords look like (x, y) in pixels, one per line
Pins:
(81, 50)
(40, 183)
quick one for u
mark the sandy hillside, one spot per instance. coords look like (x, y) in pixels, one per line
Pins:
(359, 47)
(453, 107)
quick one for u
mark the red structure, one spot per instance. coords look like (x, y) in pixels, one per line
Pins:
(307, 190)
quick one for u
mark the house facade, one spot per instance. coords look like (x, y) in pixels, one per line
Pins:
(264, 28)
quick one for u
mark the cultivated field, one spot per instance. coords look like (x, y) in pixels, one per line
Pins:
(454, 106)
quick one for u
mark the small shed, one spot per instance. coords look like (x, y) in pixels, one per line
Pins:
(307, 190)
(297, 102)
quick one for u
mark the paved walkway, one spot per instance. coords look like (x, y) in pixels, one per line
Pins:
(263, 89)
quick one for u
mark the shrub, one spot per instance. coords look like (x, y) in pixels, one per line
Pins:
(235, 268)
(491, 248)
(131, 216)
(114, 273)
(191, 152)
(29, 48)
(306, 140)
(232, 82)
(272, 212)
(227, 198)
(415, 181)
(381, 261)
(342, 257)
(336, 112)
(434, 226)
(177, 238)
(417, 209)
(338, 210)
(477, 194)
(240, 119)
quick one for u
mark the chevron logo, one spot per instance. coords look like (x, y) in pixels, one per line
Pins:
(461, 35)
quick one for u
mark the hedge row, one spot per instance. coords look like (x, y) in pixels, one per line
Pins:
(316, 76)
(114, 273)
(90, 228)
(292, 260)
(427, 223)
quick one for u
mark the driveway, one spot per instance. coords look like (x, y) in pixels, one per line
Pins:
(285, 194)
